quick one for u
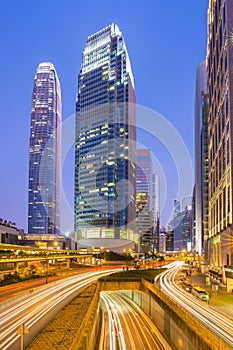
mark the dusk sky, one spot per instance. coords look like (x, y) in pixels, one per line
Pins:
(166, 41)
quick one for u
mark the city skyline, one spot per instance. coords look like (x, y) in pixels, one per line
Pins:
(154, 95)
(129, 130)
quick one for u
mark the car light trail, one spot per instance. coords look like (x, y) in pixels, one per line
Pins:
(33, 308)
(133, 332)
(217, 322)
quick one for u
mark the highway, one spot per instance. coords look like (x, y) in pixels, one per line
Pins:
(125, 326)
(36, 308)
(219, 324)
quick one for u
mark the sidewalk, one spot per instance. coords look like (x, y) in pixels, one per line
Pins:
(220, 300)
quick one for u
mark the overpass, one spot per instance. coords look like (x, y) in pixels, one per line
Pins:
(15, 254)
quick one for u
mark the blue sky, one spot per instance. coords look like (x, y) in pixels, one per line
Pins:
(166, 41)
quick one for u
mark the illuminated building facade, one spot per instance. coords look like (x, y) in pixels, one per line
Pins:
(220, 130)
(105, 200)
(201, 162)
(182, 223)
(143, 198)
(147, 201)
(182, 230)
(155, 211)
(45, 153)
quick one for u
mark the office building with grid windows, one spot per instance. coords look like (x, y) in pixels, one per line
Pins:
(220, 130)
(147, 201)
(200, 236)
(45, 153)
(104, 208)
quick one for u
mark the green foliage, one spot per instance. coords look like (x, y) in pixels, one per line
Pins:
(147, 274)
(15, 278)
(112, 256)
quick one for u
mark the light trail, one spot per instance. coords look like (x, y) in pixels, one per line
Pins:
(216, 322)
(33, 308)
(115, 328)
(134, 329)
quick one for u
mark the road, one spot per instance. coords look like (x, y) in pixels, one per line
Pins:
(13, 290)
(125, 326)
(218, 323)
(36, 308)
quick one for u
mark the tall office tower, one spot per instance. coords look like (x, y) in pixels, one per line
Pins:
(201, 162)
(143, 171)
(147, 201)
(144, 199)
(182, 223)
(182, 230)
(105, 203)
(155, 211)
(176, 207)
(220, 130)
(186, 202)
(45, 153)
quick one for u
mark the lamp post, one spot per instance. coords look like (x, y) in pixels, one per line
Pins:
(97, 257)
(46, 266)
(101, 248)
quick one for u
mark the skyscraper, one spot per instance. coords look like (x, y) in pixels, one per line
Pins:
(147, 201)
(186, 202)
(143, 171)
(201, 161)
(155, 211)
(181, 224)
(45, 153)
(220, 129)
(143, 198)
(104, 205)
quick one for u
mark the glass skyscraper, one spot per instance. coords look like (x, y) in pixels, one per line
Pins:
(201, 162)
(104, 205)
(45, 153)
(147, 201)
(143, 199)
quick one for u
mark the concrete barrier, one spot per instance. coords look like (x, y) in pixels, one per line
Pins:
(88, 334)
(178, 325)
(180, 328)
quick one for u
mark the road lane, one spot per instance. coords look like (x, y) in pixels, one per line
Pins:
(38, 309)
(127, 327)
(220, 325)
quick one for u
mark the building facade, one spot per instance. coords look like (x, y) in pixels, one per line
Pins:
(45, 153)
(105, 198)
(143, 198)
(220, 131)
(147, 201)
(181, 224)
(186, 203)
(182, 231)
(155, 211)
(201, 162)
(9, 233)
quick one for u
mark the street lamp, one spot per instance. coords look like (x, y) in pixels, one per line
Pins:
(47, 265)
